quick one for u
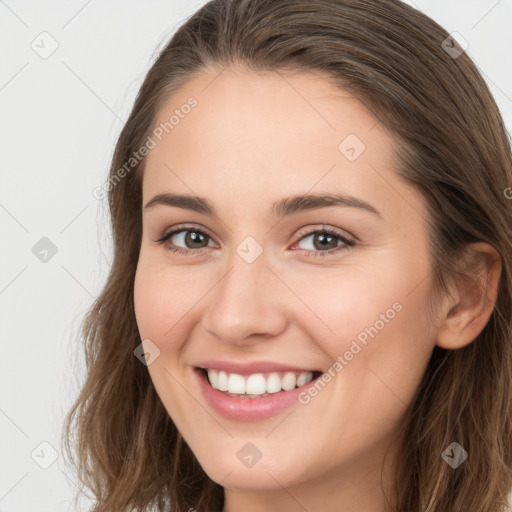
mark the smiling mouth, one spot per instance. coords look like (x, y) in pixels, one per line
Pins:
(257, 385)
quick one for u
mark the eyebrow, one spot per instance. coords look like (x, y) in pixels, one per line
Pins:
(283, 207)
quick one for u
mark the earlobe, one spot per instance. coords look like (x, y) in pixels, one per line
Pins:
(473, 302)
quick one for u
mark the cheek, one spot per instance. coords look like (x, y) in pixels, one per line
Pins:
(147, 295)
(161, 309)
(375, 317)
(345, 301)
(162, 299)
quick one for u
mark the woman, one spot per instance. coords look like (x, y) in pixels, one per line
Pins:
(340, 337)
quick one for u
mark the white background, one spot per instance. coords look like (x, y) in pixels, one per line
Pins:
(60, 118)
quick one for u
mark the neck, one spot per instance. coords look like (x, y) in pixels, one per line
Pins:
(355, 485)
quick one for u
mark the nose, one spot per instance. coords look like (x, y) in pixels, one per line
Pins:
(247, 305)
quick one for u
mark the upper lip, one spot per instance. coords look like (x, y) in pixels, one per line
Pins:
(248, 368)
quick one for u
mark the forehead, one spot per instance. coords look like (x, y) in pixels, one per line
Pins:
(277, 108)
(269, 133)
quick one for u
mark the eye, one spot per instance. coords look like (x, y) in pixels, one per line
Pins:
(323, 239)
(188, 236)
(196, 241)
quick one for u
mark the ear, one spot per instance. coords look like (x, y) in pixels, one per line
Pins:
(473, 299)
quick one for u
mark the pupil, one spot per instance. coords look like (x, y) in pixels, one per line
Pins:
(193, 237)
(323, 237)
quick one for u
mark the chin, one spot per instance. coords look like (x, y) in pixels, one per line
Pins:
(267, 473)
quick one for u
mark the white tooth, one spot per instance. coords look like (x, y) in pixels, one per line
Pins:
(222, 381)
(256, 384)
(236, 383)
(303, 378)
(273, 383)
(213, 377)
(289, 381)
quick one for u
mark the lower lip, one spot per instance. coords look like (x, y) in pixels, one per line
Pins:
(248, 409)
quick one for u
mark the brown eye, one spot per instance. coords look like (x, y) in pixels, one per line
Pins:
(193, 239)
(185, 240)
(325, 241)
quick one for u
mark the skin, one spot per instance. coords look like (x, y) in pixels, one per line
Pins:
(253, 139)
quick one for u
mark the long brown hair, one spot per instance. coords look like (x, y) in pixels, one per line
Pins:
(451, 145)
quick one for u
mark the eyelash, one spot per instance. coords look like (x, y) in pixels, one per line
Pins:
(304, 234)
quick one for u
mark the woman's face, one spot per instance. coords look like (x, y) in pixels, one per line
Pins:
(259, 287)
